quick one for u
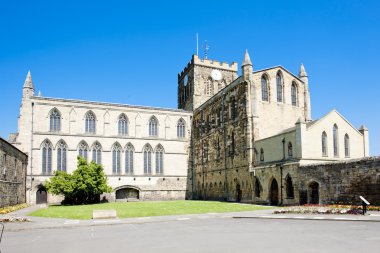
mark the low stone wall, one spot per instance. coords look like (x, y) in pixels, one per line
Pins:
(343, 181)
(324, 183)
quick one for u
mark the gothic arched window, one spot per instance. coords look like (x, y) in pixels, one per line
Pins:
(335, 140)
(294, 94)
(123, 125)
(83, 150)
(129, 150)
(153, 124)
(159, 160)
(280, 90)
(289, 187)
(232, 151)
(324, 144)
(261, 155)
(181, 129)
(47, 150)
(97, 153)
(209, 88)
(346, 145)
(147, 152)
(90, 122)
(55, 121)
(61, 156)
(233, 108)
(290, 149)
(116, 161)
(264, 88)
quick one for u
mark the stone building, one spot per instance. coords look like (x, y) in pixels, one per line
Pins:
(244, 138)
(13, 165)
(251, 137)
(144, 150)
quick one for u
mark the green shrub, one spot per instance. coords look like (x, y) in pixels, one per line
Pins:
(83, 186)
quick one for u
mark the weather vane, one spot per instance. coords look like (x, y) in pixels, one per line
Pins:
(206, 47)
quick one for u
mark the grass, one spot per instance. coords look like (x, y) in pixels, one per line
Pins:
(144, 209)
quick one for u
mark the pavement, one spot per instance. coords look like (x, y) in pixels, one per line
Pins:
(217, 233)
(49, 223)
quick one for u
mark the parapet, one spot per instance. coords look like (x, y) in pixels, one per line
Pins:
(195, 60)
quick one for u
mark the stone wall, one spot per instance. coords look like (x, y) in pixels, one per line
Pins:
(344, 181)
(219, 162)
(325, 183)
(13, 165)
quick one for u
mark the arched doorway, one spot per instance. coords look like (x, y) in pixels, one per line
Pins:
(41, 195)
(127, 193)
(238, 193)
(274, 193)
(314, 193)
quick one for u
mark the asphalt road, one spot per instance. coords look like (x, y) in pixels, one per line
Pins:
(202, 235)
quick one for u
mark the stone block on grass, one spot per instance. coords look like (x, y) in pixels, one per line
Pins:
(104, 214)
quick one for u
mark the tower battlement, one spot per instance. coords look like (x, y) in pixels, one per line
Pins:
(214, 64)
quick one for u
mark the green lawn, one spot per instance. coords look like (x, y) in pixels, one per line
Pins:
(143, 209)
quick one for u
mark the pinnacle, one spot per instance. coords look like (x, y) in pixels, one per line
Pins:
(302, 72)
(247, 59)
(28, 81)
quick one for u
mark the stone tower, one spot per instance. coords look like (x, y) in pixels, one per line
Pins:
(201, 79)
(25, 118)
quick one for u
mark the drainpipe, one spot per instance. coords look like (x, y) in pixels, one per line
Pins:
(31, 154)
(281, 167)
(225, 146)
(281, 201)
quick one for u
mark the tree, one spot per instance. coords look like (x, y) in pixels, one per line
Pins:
(84, 186)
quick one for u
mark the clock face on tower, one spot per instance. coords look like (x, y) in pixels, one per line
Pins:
(216, 75)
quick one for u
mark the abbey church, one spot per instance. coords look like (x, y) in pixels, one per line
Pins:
(248, 138)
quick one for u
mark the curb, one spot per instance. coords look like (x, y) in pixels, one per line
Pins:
(303, 218)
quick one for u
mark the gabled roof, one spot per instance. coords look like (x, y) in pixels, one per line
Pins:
(316, 122)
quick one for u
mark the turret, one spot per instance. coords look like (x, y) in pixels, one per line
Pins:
(246, 67)
(304, 78)
(28, 88)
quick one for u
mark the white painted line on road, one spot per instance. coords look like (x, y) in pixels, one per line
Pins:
(318, 218)
(68, 222)
(264, 216)
(281, 217)
(143, 218)
(183, 219)
(226, 216)
(299, 217)
(212, 213)
(339, 218)
(104, 221)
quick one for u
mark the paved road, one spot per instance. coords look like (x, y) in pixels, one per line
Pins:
(202, 235)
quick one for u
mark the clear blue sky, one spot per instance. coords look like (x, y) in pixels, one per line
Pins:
(131, 52)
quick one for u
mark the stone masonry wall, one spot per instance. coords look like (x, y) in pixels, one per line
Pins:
(344, 181)
(219, 163)
(13, 165)
(337, 182)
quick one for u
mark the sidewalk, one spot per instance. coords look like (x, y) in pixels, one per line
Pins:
(48, 223)
(369, 217)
